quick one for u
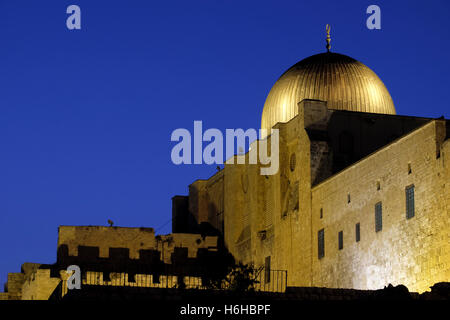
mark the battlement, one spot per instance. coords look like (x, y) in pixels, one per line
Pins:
(92, 242)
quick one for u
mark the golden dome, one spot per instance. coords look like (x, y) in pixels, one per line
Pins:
(345, 83)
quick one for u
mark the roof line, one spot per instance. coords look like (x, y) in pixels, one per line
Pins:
(373, 153)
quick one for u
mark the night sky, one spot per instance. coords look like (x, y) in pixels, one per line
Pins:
(86, 115)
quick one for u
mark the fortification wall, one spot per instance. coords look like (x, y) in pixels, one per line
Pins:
(105, 238)
(133, 239)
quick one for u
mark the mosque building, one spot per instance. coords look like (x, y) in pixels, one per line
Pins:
(362, 195)
(361, 198)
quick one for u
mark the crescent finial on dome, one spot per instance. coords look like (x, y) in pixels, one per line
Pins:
(328, 29)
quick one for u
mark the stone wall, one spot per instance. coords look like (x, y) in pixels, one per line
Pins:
(13, 287)
(206, 205)
(133, 239)
(278, 216)
(112, 251)
(39, 285)
(104, 238)
(414, 252)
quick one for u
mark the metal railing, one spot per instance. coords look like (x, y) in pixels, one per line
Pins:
(263, 280)
(271, 280)
(141, 280)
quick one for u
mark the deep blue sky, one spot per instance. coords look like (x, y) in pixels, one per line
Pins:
(86, 116)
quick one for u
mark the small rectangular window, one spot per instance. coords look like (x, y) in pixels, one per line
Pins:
(321, 213)
(409, 168)
(267, 269)
(410, 202)
(357, 232)
(321, 243)
(378, 217)
(348, 198)
(341, 240)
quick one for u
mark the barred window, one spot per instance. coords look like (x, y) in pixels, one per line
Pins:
(357, 232)
(321, 243)
(341, 240)
(409, 202)
(378, 217)
(267, 270)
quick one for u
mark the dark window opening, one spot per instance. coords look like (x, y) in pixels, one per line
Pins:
(341, 240)
(321, 243)
(321, 213)
(409, 202)
(357, 232)
(409, 168)
(348, 198)
(378, 217)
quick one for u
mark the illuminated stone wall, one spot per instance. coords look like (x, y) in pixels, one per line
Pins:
(38, 282)
(414, 252)
(279, 215)
(134, 239)
(206, 204)
(39, 285)
(105, 238)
